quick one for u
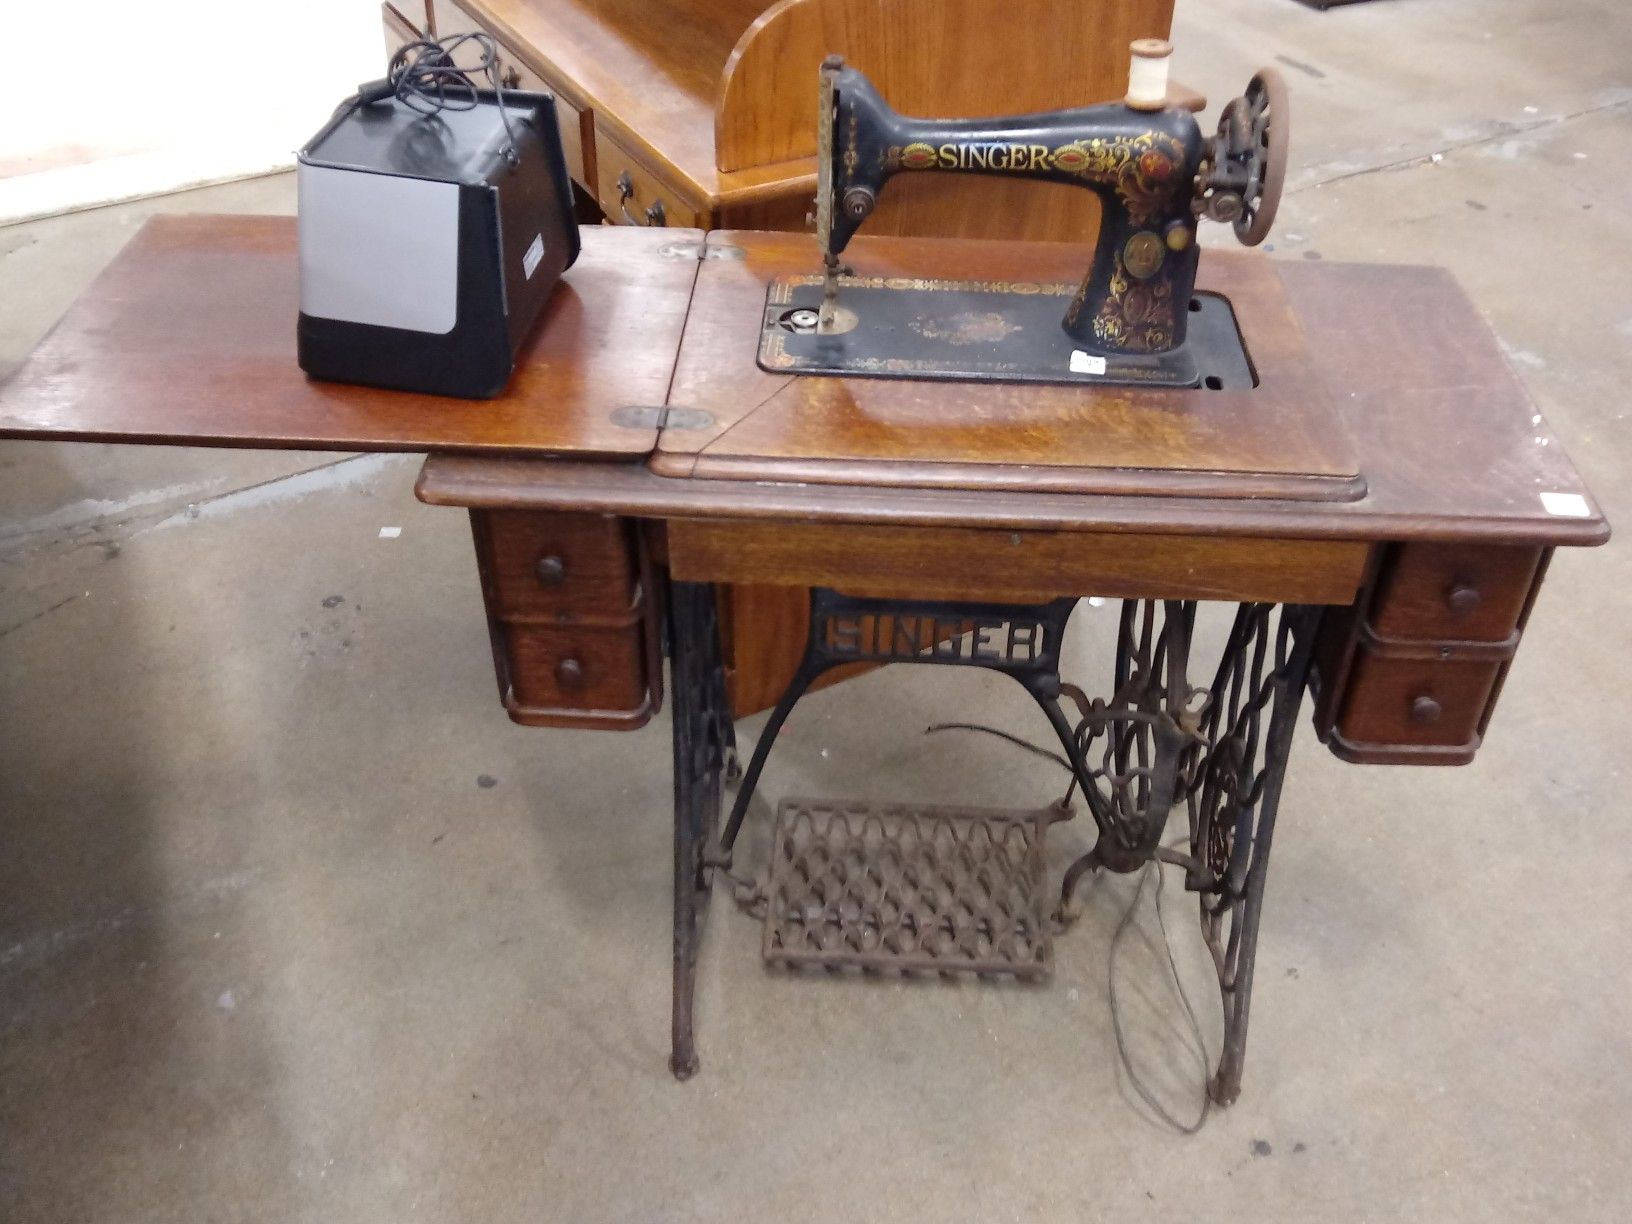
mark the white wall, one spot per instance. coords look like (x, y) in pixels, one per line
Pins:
(114, 99)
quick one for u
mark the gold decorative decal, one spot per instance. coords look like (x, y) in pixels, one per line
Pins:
(1144, 170)
(1053, 289)
(1073, 159)
(1143, 254)
(774, 351)
(918, 156)
(1136, 317)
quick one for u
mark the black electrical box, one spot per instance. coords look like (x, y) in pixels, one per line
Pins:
(429, 243)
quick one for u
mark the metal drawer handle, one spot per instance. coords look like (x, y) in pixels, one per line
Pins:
(1425, 711)
(626, 192)
(550, 571)
(569, 672)
(1463, 598)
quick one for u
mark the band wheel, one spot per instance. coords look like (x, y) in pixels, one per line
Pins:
(1258, 123)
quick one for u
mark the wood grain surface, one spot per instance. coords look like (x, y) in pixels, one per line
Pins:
(1451, 592)
(703, 92)
(188, 338)
(952, 58)
(1281, 438)
(557, 568)
(651, 77)
(1452, 446)
(1428, 391)
(1026, 566)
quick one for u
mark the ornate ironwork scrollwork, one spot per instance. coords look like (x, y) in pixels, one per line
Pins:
(1218, 751)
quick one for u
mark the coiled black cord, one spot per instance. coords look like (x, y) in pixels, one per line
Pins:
(423, 76)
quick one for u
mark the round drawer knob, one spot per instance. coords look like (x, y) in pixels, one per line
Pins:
(1463, 598)
(551, 571)
(569, 672)
(1425, 711)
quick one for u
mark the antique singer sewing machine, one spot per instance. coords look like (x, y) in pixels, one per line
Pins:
(1133, 319)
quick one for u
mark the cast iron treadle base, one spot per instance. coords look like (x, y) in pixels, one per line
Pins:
(909, 888)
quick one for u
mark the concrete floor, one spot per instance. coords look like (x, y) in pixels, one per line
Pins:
(294, 925)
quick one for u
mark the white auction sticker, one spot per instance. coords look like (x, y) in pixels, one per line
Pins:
(1570, 505)
(529, 261)
(1086, 363)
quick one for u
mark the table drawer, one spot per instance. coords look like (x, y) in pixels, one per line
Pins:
(1410, 673)
(1443, 592)
(631, 195)
(574, 612)
(555, 673)
(558, 568)
(1399, 704)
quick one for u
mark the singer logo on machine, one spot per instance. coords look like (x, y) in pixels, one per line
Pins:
(535, 252)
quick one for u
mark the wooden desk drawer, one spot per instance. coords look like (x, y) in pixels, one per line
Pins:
(560, 568)
(573, 612)
(574, 676)
(630, 195)
(577, 124)
(1397, 705)
(1443, 592)
(1411, 672)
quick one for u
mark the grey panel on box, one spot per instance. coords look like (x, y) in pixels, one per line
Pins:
(379, 249)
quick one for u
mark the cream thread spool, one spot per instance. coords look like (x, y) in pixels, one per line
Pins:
(1147, 74)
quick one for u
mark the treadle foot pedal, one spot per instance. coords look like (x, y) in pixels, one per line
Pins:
(909, 887)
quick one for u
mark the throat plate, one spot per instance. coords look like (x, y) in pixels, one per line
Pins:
(981, 331)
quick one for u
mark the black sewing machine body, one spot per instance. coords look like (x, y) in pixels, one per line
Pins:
(1134, 319)
(1142, 165)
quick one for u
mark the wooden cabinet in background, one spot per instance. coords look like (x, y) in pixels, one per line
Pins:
(707, 106)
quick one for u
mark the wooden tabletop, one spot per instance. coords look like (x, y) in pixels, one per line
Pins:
(188, 338)
(1450, 444)
(1281, 438)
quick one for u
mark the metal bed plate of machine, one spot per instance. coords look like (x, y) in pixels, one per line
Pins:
(997, 331)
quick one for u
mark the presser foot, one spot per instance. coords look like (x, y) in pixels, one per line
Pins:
(909, 888)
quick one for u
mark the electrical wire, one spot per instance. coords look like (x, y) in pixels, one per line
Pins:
(1016, 740)
(1152, 867)
(423, 76)
(1134, 1078)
